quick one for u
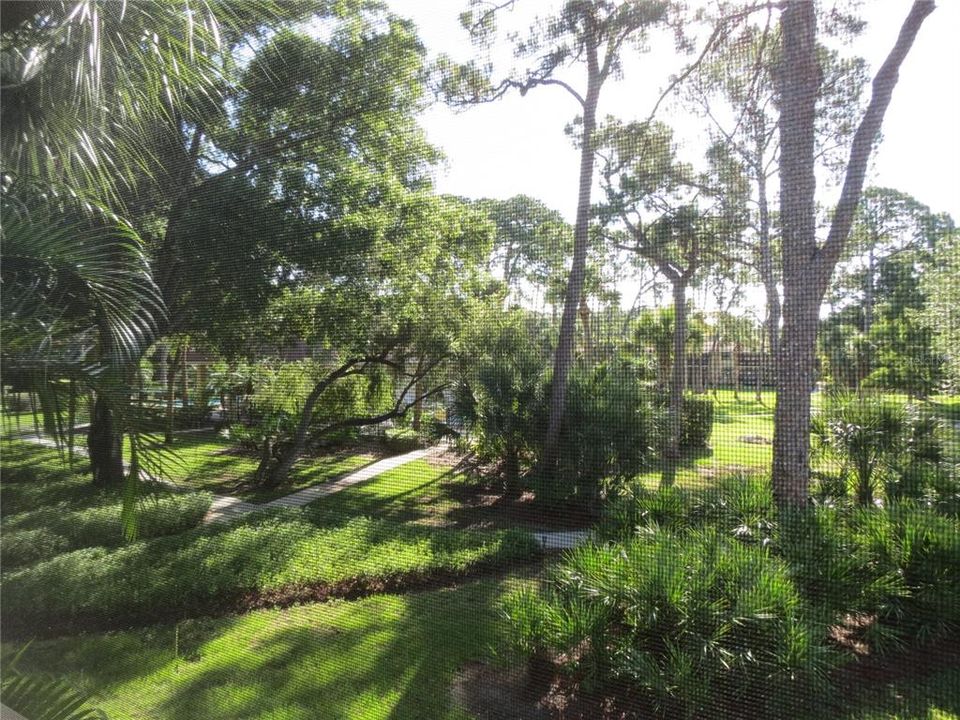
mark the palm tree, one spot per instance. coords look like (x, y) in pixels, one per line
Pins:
(86, 85)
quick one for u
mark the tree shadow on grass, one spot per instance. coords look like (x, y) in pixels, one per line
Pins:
(383, 657)
(670, 467)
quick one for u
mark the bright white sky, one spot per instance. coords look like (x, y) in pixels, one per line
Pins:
(517, 145)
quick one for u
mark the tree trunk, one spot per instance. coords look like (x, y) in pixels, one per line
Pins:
(160, 360)
(868, 293)
(587, 334)
(807, 268)
(678, 377)
(105, 446)
(171, 383)
(563, 359)
(736, 372)
(511, 473)
(418, 408)
(800, 78)
(184, 384)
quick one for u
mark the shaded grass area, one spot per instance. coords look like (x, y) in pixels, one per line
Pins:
(49, 509)
(206, 461)
(386, 656)
(936, 697)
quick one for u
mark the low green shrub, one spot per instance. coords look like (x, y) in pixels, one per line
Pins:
(29, 546)
(401, 440)
(741, 504)
(699, 625)
(214, 564)
(923, 549)
(696, 422)
(95, 526)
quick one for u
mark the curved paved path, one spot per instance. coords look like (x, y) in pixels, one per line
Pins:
(225, 508)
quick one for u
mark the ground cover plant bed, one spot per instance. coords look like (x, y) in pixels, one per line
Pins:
(339, 545)
(50, 509)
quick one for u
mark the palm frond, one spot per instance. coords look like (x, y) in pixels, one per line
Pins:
(73, 274)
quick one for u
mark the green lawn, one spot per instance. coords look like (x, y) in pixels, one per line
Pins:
(388, 656)
(207, 461)
(414, 492)
(741, 439)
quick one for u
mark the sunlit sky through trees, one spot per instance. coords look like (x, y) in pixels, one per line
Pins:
(518, 145)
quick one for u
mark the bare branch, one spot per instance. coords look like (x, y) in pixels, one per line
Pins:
(883, 84)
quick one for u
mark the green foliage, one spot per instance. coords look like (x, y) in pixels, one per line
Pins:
(696, 422)
(898, 565)
(697, 624)
(939, 282)
(209, 566)
(880, 439)
(401, 440)
(49, 531)
(502, 363)
(43, 698)
(593, 461)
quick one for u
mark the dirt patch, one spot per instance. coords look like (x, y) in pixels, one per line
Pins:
(508, 693)
(492, 693)
(755, 440)
(478, 506)
(915, 662)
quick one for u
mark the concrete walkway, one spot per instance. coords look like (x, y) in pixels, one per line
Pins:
(225, 508)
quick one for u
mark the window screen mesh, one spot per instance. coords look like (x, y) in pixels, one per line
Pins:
(587, 359)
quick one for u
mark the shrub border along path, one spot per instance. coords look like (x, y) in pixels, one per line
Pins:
(225, 508)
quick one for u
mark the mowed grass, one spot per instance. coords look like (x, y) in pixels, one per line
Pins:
(207, 461)
(741, 439)
(387, 656)
(414, 492)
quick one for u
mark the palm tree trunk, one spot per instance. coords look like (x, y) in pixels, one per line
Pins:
(105, 446)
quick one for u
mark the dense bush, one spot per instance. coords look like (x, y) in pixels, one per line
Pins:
(894, 571)
(499, 393)
(609, 434)
(32, 536)
(263, 552)
(879, 443)
(696, 422)
(401, 440)
(741, 504)
(698, 625)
